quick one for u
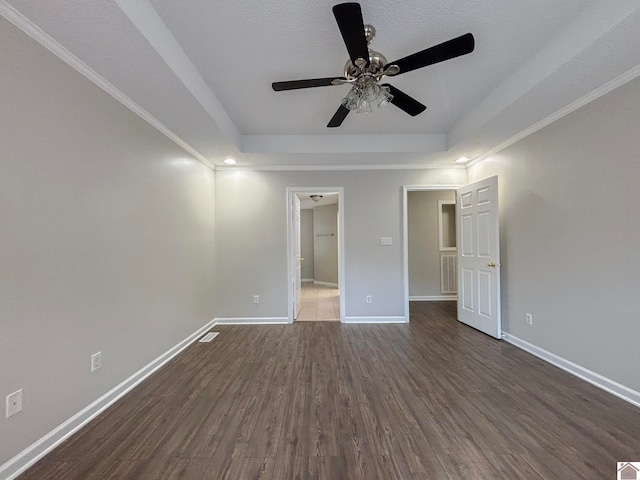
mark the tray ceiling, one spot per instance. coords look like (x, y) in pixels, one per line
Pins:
(203, 71)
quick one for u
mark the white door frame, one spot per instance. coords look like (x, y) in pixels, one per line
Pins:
(405, 232)
(296, 255)
(291, 191)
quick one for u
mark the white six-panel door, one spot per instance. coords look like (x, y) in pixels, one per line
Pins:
(479, 256)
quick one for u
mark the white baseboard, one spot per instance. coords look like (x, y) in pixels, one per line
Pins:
(29, 456)
(252, 321)
(432, 298)
(593, 378)
(326, 284)
(307, 280)
(25, 459)
(375, 320)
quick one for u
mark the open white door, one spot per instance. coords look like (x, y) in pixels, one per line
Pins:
(479, 256)
(297, 259)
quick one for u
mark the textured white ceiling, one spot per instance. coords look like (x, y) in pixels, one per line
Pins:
(243, 46)
(204, 70)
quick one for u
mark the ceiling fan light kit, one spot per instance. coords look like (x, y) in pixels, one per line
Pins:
(361, 98)
(366, 68)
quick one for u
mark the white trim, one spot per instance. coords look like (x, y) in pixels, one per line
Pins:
(40, 36)
(606, 384)
(572, 107)
(405, 231)
(391, 143)
(432, 298)
(312, 168)
(29, 456)
(252, 321)
(306, 280)
(441, 246)
(326, 284)
(375, 320)
(405, 249)
(291, 191)
(149, 23)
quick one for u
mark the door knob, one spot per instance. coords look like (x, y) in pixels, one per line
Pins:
(492, 264)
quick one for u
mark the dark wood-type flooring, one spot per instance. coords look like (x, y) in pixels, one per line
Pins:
(433, 399)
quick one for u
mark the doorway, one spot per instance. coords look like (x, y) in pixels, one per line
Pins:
(315, 254)
(430, 255)
(477, 268)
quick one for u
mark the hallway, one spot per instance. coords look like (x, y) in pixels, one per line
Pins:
(319, 303)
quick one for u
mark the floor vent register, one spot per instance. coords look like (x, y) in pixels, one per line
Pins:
(208, 337)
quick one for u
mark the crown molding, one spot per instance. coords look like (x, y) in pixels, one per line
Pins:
(147, 21)
(44, 39)
(337, 143)
(572, 107)
(312, 168)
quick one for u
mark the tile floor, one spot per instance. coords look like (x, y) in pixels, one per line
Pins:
(319, 303)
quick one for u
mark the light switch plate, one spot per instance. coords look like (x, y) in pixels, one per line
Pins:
(385, 241)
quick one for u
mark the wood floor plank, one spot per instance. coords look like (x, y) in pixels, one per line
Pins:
(294, 438)
(265, 438)
(254, 468)
(432, 400)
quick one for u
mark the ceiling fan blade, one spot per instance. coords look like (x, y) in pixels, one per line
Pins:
(338, 117)
(405, 102)
(445, 51)
(351, 25)
(312, 82)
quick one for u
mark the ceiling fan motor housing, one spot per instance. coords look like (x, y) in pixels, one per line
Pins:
(377, 62)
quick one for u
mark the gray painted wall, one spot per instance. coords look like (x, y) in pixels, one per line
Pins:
(424, 252)
(306, 243)
(325, 258)
(108, 235)
(372, 208)
(106, 245)
(570, 235)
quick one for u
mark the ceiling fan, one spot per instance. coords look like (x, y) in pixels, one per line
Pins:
(366, 68)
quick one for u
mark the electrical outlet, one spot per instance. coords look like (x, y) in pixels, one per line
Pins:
(528, 318)
(14, 403)
(96, 361)
(256, 299)
(369, 299)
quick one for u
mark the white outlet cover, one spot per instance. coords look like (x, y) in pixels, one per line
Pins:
(14, 403)
(386, 241)
(96, 361)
